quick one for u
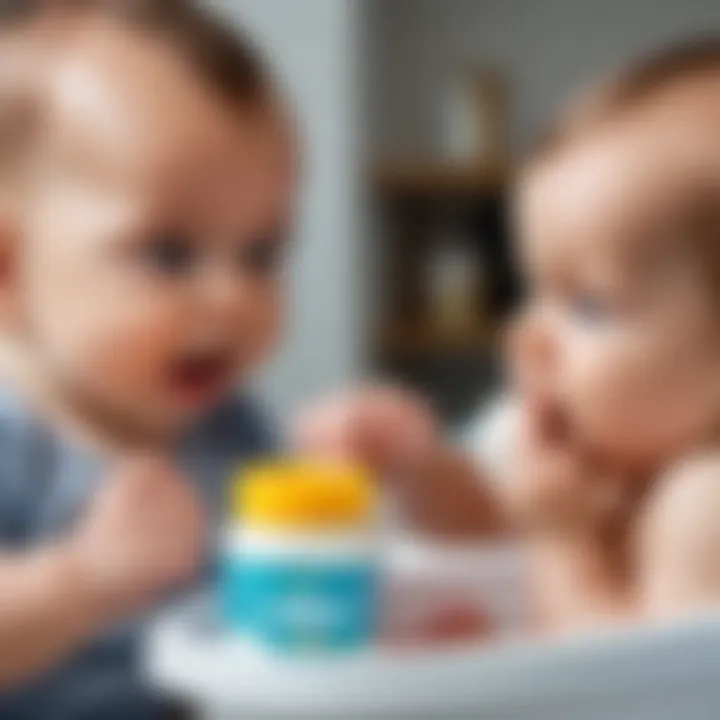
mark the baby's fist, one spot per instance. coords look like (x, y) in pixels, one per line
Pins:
(559, 486)
(143, 535)
(391, 431)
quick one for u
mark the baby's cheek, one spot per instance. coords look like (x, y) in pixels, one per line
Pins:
(603, 386)
(121, 346)
(633, 398)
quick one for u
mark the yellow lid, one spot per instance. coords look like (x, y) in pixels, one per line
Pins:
(303, 495)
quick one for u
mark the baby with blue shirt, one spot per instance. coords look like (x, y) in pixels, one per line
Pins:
(147, 181)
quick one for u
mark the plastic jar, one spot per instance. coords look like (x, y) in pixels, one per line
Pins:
(301, 566)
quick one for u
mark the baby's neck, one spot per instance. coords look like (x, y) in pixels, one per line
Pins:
(21, 370)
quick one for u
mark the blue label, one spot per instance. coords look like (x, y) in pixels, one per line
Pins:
(295, 606)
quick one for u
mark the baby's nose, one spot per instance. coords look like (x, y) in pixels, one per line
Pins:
(531, 347)
(223, 293)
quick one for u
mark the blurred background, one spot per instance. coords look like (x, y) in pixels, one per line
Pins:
(414, 114)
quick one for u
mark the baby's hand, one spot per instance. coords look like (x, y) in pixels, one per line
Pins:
(391, 431)
(143, 535)
(558, 487)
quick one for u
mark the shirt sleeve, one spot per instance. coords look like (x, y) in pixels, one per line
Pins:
(243, 428)
(22, 458)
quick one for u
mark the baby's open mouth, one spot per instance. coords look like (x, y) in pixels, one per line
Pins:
(201, 377)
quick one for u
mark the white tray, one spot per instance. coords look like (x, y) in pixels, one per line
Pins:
(661, 674)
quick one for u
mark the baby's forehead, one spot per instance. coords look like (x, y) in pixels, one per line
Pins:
(125, 107)
(623, 216)
(635, 179)
(126, 100)
(129, 123)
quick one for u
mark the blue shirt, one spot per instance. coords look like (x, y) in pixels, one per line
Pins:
(45, 485)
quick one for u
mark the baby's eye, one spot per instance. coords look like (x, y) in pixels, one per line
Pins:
(589, 308)
(261, 257)
(170, 254)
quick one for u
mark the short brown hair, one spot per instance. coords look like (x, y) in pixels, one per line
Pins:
(632, 87)
(222, 57)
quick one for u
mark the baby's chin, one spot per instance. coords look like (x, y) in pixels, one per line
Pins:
(619, 446)
(173, 412)
(165, 422)
(182, 394)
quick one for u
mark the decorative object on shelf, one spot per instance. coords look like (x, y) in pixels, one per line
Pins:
(474, 119)
(454, 287)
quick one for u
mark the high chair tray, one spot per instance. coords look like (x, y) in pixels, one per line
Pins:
(662, 673)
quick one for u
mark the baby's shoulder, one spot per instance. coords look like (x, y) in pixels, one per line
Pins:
(691, 484)
(679, 539)
(684, 504)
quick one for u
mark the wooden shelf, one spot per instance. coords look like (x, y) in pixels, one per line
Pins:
(441, 180)
(407, 341)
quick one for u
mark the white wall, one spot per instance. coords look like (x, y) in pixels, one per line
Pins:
(548, 48)
(313, 46)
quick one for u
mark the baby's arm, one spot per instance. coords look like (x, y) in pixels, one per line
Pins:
(450, 497)
(142, 536)
(45, 611)
(679, 541)
(441, 491)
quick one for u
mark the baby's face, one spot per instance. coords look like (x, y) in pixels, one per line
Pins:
(620, 332)
(149, 271)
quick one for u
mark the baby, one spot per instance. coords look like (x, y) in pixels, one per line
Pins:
(147, 180)
(616, 358)
(617, 354)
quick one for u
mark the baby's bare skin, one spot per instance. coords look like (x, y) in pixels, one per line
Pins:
(620, 336)
(578, 516)
(143, 535)
(145, 244)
